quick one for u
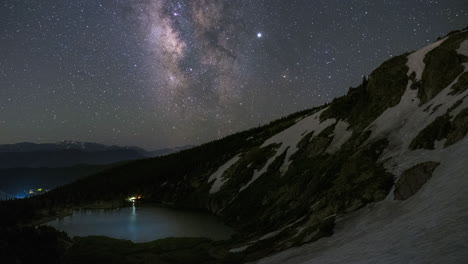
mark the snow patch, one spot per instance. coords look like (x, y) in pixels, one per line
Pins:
(239, 249)
(267, 236)
(275, 233)
(439, 144)
(402, 123)
(429, 227)
(463, 49)
(458, 109)
(416, 59)
(288, 140)
(217, 176)
(340, 136)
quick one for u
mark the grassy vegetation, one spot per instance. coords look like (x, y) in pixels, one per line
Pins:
(95, 249)
(32, 245)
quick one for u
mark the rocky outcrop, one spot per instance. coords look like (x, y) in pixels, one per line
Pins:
(444, 129)
(443, 66)
(413, 179)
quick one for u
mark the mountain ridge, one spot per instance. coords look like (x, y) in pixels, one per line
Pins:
(70, 153)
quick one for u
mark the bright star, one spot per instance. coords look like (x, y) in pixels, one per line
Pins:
(259, 35)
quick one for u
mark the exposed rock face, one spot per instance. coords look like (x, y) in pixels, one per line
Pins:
(443, 128)
(413, 179)
(443, 65)
(459, 127)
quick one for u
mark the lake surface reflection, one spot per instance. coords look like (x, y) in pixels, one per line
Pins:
(142, 224)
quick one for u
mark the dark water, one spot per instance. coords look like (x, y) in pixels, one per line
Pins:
(142, 224)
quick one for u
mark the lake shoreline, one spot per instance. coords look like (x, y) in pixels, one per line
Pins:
(140, 223)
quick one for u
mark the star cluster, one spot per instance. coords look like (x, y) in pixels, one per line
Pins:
(158, 73)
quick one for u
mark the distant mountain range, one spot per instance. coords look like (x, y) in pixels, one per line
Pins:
(166, 151)
(25, 166)
(63, 145)
(16, 182)
(70, 153)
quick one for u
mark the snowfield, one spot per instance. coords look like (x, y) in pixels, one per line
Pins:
(416, 59)
(429, 227)
(288, 140)
(402, 123)
(341, 134)
(217, 176)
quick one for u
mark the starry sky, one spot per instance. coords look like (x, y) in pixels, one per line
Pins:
(161, 73)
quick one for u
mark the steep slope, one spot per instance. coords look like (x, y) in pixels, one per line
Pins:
(429, 227)
(388, 155)
(424, 217)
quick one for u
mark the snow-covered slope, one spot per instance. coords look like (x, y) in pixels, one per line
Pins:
(431, 226)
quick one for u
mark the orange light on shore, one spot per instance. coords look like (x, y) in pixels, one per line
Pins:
(134, 198)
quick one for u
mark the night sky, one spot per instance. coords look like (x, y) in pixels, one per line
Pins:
(159, 73)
